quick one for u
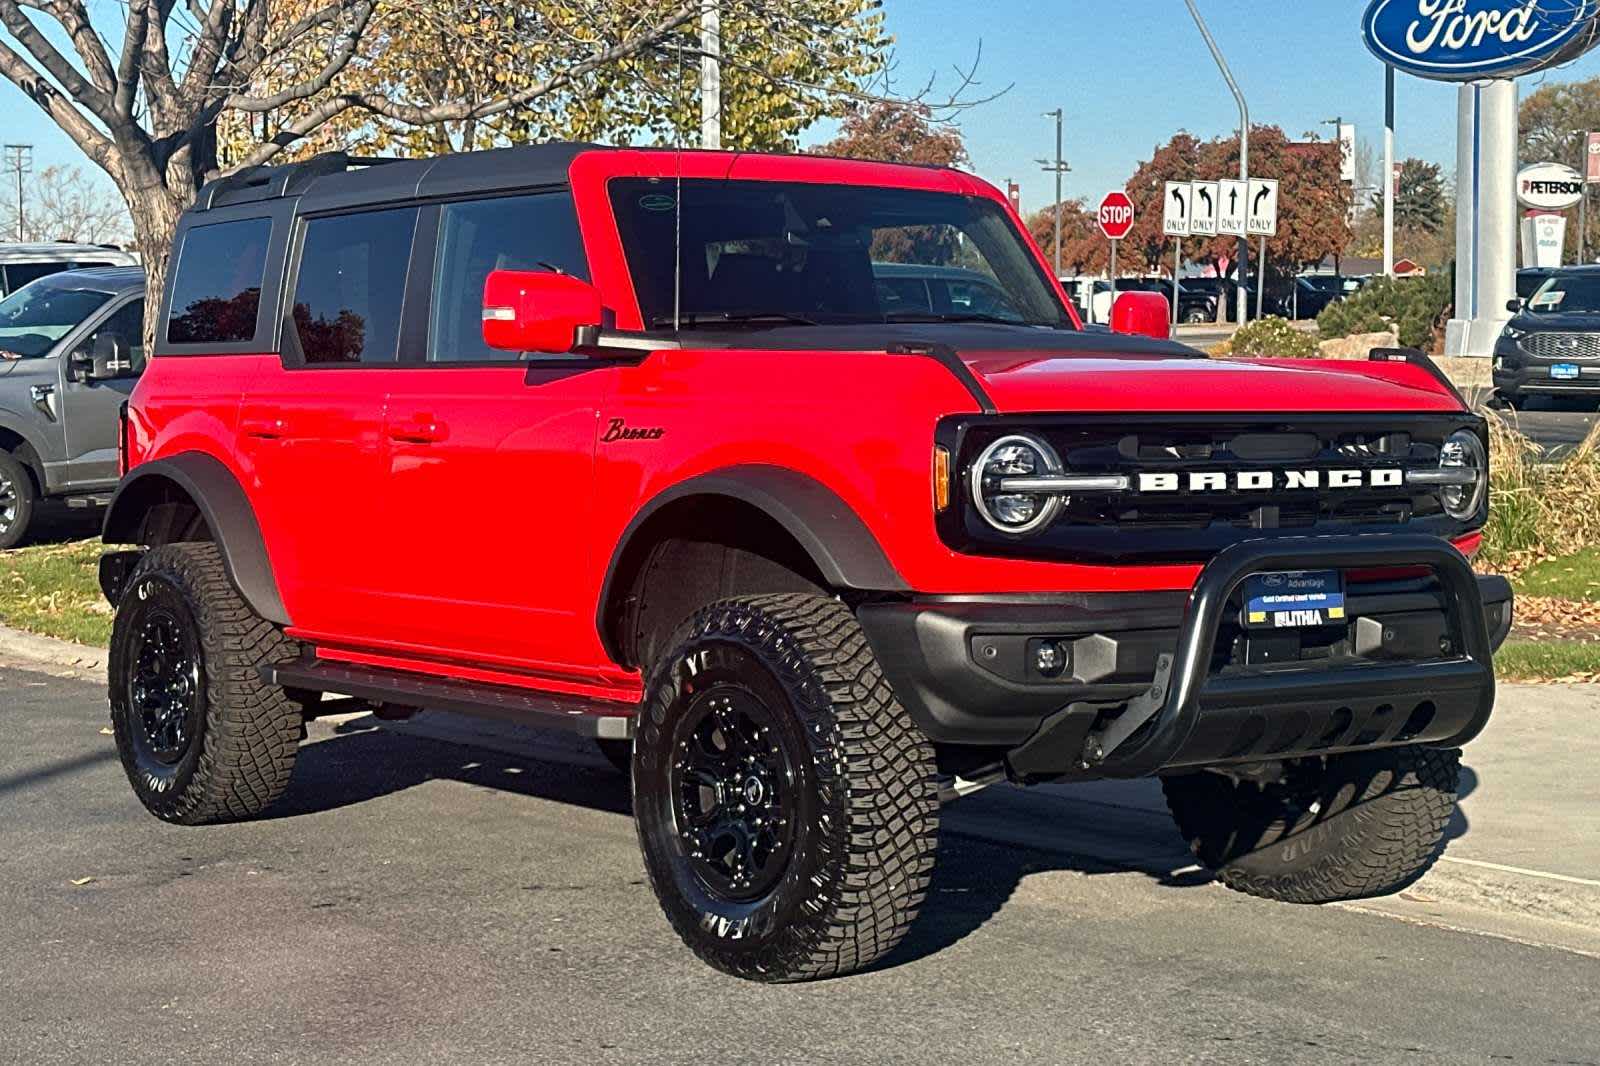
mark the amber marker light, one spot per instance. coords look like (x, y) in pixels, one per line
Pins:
(941, 478)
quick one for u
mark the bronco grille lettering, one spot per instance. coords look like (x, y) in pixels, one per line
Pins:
(1267, 480)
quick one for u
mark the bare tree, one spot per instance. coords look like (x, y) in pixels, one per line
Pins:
(146, 111)
(68, 204)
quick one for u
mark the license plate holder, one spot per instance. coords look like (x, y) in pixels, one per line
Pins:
(1294, 599)
(1565, 371)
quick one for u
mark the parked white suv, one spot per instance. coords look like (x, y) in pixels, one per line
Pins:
(22, 263)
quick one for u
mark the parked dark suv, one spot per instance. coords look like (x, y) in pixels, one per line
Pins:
(1551, 346)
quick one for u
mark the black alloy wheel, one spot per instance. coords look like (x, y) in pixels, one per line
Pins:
(166, 684)
(733, 790)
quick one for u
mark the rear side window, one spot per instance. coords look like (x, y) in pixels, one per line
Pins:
(538, 232)
(216, 287)
(19, 274)
(351, 286)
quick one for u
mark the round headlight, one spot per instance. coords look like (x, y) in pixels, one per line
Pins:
(1464, 451)
(1006, 507)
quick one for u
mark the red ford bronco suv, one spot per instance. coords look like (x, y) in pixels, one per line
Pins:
(797, 483)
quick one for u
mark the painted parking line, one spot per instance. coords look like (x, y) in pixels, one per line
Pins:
(1524, 871)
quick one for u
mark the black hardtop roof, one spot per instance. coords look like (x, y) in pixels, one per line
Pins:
(337, 179)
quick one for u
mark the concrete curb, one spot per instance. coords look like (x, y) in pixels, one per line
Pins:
(50, 651)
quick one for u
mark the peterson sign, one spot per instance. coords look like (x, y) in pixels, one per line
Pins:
(1464, 40)
(1549, 186)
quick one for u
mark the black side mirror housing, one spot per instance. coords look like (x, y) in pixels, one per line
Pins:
(1514, 305)
(109, 360)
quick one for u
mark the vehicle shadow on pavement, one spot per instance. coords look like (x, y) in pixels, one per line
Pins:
(360, 763)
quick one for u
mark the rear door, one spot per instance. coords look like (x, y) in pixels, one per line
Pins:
(490, 456)
(311, 427)
(89, 409)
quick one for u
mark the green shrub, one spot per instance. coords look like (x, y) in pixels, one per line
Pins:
(1538, 509)
(1275, 337)
(1409, 306)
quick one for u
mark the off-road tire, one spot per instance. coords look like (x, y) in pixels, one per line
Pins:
(865, 795)
(1358, 825)
(240, 754)
(17, 495)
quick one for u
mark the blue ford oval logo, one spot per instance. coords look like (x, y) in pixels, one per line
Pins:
(1464, 40)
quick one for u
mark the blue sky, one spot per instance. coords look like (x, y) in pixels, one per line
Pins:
(1129, 73)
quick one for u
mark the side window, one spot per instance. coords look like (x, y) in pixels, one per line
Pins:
(19, 274)
(216, 285)
(538, 232)
(126, 322)
(351, 286)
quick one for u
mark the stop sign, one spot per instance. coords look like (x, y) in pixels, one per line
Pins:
(1116, 215)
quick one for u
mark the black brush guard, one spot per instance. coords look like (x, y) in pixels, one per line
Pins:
(1191, 716)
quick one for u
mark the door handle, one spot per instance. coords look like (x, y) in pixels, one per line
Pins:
(265, 428)
(420, 430)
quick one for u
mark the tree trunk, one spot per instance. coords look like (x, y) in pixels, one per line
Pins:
(155, 219)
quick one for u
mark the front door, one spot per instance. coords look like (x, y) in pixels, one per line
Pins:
(90, 409)
(491, 458)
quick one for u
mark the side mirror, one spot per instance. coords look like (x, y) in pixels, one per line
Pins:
(1142, 314)
(108, 361)
(537, 311)
(1514, 305)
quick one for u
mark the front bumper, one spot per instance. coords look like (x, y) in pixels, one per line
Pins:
(1517, 372)
(1157, 681)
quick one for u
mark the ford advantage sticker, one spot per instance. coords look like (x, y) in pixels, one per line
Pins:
(1293, 599)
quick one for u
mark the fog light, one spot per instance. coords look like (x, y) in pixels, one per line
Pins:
(1049, 658)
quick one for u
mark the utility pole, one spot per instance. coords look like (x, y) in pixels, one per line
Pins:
(1059, 168)
(1388, 171)
(19, 157)
(1583, 197)
(1244, 146)
(711, 75)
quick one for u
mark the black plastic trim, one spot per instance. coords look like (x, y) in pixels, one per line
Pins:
(227, 511)
(835, 538)
(589, 718)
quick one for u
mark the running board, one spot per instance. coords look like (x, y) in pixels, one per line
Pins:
(589, 718)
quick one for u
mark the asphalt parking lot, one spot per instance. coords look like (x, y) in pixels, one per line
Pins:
(450, 891)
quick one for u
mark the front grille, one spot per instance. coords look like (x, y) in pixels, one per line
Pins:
(1562, 345)
(1192, 525)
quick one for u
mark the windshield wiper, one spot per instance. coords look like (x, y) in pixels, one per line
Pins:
(723, 318)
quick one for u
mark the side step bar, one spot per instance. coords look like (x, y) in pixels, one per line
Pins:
(574, 714)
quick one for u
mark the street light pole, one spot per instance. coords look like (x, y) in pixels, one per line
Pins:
(1388, 171)
(711, 75)
(1583, 196)
(1059, 168)
(1244, 144)
(20, 158)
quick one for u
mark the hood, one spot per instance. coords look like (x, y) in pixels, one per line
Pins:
(1019, 382)
(1558, 322)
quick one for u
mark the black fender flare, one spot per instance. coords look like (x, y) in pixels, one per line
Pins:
(838, 542)
(226, 508)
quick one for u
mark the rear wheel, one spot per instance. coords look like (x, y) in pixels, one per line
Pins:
(202, 737)
(786, 803)
(1333, 828)
(18, 498)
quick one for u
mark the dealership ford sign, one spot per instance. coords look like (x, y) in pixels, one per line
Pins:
(1466, 40)
(1549, 186)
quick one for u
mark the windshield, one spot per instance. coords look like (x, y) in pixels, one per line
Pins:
(779, 252)
(1569, 292)
(36, 316)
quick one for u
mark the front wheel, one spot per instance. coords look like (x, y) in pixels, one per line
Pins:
(787, 805)
(1332, 828)
(17, 501)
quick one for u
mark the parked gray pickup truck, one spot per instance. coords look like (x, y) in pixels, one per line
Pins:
(71, 347)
